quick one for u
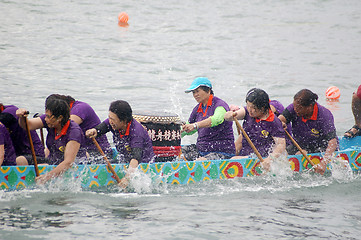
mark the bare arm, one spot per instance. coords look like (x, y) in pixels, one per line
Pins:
(239, 114)
(34, 123)
(71, 150)
(133, 164)
(331, 148)
(283, 120)
(238, 144)
(279, 148)
(76, 119)
(201, 124)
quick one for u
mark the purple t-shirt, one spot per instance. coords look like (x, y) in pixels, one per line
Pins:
(261, 134)
(90, 120)
(312, 135)
(279, 110)
(278, 106)
(20, 137)
(137, 137)
(9, 156)
(214, 139)
(57, 146)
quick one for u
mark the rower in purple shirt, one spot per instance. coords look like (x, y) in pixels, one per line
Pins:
(84, 115)
(215, 136)
(63, 139)
(131, 139)
(355, 130)
(277, 108)
(7, 151)
(20, 137)
(313, 126)
(261, 125)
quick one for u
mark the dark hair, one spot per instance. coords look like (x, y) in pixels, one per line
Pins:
(7, 119)
(122, 109)
(206, 89)
(259, 98)
(67, 99)
(306, 97)
(58, 107)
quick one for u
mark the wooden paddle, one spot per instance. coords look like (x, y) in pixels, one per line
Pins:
(299, 148)
(106, 159)
(31, 146)
(240, 128)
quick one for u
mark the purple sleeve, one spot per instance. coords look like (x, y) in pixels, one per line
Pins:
(80, 110)
(290, 108)
(76, 134)
(289, 113)
(137, 142)
(42, 117)
(2, 140)
(327, 120)
(277, 130)
(138, 136)
(106, 121)
(192, 117)
(278, 106)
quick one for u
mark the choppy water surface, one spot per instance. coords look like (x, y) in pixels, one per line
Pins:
(282, 206)
(77, 48)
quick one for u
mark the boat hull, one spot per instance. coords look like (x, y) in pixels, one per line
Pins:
(182, 172)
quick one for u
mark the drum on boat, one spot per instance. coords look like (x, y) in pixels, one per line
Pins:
(164, 131)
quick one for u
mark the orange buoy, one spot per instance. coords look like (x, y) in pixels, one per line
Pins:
(123, 17)
(333, 92)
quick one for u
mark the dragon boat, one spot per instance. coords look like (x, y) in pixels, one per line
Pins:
(175, 172)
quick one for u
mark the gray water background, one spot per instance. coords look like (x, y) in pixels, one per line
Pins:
(77, 48)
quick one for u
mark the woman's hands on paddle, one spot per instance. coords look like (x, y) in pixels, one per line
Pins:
(124, 182)
(266, 164)
(42, 179)
(133, 165)
(90, 133)
(22, 112)
(331, 148)
(230, 115)
(205, 123)
(321, 167)
(189, 127)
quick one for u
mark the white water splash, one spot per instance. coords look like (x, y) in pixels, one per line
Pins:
(281, 168)
(146, 183)
(341, 170)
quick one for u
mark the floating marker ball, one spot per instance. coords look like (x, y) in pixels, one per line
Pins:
(123, 17)
(333, 92)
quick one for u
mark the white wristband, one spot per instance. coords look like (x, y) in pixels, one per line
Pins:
(195, 125)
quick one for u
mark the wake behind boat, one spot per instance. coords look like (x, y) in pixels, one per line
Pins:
(176, 172)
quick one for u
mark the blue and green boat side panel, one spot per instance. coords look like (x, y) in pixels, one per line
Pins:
(166, 172)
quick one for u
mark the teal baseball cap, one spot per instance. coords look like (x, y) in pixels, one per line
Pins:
(199, 81)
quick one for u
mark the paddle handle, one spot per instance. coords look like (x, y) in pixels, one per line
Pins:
(240, 128)
(106, 159)
(31, 146)
(299, 148)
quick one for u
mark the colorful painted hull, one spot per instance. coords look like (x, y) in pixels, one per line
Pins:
(94, 176)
